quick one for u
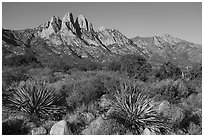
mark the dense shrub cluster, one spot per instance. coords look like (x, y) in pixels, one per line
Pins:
(168, 70)
(172, 90)
(66, 63)
(133, 65)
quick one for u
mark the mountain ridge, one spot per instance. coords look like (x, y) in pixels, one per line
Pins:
(76, 36)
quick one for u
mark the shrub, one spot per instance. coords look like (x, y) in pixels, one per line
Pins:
(170, 90)
(34, 72)
(135, 65)
(14, 74)
(136, 111)
(113, 65)
(195, 72)
(110, 127)
(36, 98)
(84, 92)
(15, 122)
(174, 115)
(20, 60)
(14, 127)
(168, 70)
(190, 118)
(86, 87)
(194, 129)
(87, 65)
(69, 62)
(193, 102)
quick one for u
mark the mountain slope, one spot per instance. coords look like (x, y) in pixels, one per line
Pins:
(167, 47)
(76, 37)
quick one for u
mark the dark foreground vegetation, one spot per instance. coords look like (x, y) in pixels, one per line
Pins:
(124, 96)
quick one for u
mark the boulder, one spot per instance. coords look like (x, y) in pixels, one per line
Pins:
(48, 124)
(39, 131)
(104, 102)
(29, 126)
(60, 128)
(146, 131)
(178, 115)
(163, 106)
(175, 114)
(94, 127)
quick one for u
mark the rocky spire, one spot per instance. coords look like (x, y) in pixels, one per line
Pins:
(68, 22)
(82, 24)
(52, 26)
(55, 23)
(67, 26)
(102, 28)
(90, 26)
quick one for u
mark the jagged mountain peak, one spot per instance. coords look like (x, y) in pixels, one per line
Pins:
(81, 17)
(69, 16)
(55, 23)
(83, 24)
(54, 18)
(166, 38)
(169, 37)
(103, 28)
(68, 23)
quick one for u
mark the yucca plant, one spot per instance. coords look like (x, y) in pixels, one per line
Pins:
(36, 98)
(136, 111)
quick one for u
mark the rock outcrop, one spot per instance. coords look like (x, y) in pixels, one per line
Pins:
(68, 24)
(82, 24)
(163, 106)
(60, 128)
(148, 132)
(39, 131)
(104, 102)
(94, 127)
(52, 26)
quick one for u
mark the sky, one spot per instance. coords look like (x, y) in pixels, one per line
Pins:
(182, 20)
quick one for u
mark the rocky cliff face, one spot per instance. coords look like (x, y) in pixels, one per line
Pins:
(77, 37)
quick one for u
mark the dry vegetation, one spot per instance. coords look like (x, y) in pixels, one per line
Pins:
(110, 98)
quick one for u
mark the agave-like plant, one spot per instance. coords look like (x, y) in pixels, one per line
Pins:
(36, 98)
(136, 111)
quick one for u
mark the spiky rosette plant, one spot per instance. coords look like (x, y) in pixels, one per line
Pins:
(136, 111)
(36, 98)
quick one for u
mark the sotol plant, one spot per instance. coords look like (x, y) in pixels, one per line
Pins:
(136, 111)
(36, 98)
